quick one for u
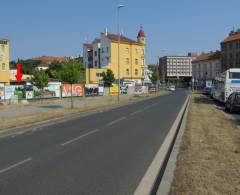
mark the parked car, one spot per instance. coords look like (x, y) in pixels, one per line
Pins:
(207, 90)
(233, 102)
(171, 88)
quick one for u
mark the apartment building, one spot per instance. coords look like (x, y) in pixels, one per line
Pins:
(175, 66)
(206, 66)
(102, 54)
(230, 51)
(4, 62)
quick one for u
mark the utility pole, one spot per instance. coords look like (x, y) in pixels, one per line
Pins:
(118, 18)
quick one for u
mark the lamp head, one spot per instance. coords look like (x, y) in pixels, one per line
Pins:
(120, 6)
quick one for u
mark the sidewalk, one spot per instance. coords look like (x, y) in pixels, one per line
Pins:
(48, 105)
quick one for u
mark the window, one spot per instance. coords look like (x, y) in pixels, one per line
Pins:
(136, 72)
(107, 49)
(95, 53)
(143, 52)
(99, 74)
(136, 61)
(234, 75)
(107, 58)
(136, 51)
(127, 50)
(95, 63)
(127, 61)
(3, 49)
(3, 66)
(143, 62)
(127, 72)
(102, 50)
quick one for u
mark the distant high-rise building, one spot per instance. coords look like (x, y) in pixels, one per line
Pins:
(175, 66)
(230, 51)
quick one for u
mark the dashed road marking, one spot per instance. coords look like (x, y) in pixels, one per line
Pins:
(80, 137)
(116, 121)
(136, 112)
(15, 165)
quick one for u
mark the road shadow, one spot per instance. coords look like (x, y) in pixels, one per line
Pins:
(51, 106)
(203, 100)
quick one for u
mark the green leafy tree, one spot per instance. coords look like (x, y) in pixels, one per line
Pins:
(40, 80)
(70, 73)
(54, 70)
(155, 75)
(108, 78)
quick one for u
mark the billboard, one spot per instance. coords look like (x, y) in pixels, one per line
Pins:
(114, 89)
(13, 90)
(77, 90)
(91, 89)
(1, 91)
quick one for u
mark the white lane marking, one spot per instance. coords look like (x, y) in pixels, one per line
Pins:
(136, 112)
(80, 137)
(116, 121)
(15, 165)
(149, 106)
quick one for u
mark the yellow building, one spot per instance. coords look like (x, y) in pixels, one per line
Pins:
(104, 55)
(4, 62)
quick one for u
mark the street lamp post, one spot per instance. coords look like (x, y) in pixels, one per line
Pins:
(118, 18)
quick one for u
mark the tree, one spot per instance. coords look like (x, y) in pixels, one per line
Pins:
(155, 76)
(108, 78)
(54, 70)
(70, 73)
(28, 66)
(40, 80)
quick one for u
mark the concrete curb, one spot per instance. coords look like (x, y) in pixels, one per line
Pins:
(152, 178)
(168, 176)
(40, 124)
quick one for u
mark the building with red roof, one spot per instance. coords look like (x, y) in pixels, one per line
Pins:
(102, 54)
(206, 66)
(230, 51)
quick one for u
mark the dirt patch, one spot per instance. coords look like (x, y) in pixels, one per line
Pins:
(209, 158)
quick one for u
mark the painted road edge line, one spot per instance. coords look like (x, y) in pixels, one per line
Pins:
(80, 137)
(15, 165)
(147, 183)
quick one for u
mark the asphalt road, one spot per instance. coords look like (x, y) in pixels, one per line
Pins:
(103, 153)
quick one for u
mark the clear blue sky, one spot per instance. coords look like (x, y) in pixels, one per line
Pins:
(59, 27)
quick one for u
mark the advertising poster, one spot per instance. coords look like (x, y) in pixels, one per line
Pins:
(1, 92)
(53, 90)
(29, 94)
(91, 89)
(77, 90)
(100, 89)
(114, 89)
(9, 91)
(13, 90)
(140, 90)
